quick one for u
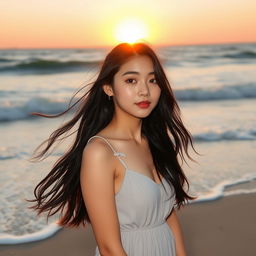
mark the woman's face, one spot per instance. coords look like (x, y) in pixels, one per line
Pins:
(135, 82)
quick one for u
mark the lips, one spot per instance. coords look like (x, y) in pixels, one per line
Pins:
(143, 104)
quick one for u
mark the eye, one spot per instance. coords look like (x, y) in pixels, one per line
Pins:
(129, 79)
(153, 79)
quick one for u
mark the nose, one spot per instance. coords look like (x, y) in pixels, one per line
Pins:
(144, 89)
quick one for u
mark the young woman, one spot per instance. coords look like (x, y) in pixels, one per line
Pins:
(122, 173)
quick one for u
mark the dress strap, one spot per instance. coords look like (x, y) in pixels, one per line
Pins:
(115, 153)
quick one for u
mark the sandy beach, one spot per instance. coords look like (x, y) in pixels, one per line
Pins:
(222, 227)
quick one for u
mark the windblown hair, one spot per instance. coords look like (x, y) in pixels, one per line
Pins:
(60, 190)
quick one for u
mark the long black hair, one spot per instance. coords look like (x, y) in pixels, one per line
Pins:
(60, 190)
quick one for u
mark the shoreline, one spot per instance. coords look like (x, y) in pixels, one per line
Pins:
(246, 185)
(225, 226)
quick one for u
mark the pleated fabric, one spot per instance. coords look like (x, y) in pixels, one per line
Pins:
(142, 207)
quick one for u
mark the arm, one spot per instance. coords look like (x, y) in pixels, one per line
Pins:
(97, 185)
(175, 226)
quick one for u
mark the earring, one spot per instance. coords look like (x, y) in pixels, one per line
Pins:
(108, 97)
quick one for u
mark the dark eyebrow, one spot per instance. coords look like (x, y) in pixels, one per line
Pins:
(135, 72)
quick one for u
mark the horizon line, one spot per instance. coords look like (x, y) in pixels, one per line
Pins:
(107, 46)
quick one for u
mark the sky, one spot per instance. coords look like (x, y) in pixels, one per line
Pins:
(93, 23)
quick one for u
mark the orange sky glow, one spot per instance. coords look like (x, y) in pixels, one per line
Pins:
(84, 23)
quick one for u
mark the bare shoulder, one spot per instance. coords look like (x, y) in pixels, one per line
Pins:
(98, 158)
(97, 149)
(98, 162)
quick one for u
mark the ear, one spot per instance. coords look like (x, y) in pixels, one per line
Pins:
(107, 89)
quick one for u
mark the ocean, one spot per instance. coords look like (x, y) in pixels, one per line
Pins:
(215, 86)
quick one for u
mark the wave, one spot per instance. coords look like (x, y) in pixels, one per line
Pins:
(5, 60)
(48, 66)
(238, 134)
(41, 66)
(235, 55)
(217, 93)
(219, 190)
(12, 112)
(240, 55)
(8, 153)
(46, 232)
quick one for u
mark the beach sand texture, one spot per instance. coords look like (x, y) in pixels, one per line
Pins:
(223, 227)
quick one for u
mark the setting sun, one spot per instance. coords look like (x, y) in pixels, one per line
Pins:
(131, 30)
